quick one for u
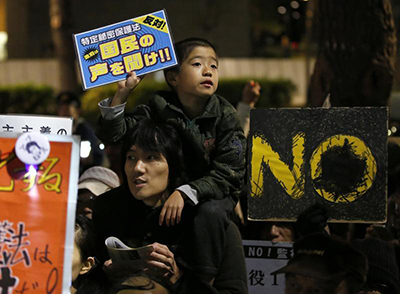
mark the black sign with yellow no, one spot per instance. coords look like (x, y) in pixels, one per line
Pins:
(336, 157)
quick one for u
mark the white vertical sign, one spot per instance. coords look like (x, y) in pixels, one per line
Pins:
(263, 258)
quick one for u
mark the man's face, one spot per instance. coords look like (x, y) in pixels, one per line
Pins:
(85, 202)
(147, 174)
(63, 110)
(68, 110)
(280, 232)
(298, 284)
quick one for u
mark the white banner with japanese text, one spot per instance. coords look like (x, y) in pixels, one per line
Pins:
(263, 258)
(44, 124)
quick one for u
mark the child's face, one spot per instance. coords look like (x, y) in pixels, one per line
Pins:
(198, 75)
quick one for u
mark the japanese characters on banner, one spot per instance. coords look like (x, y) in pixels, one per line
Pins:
(37, 216)
(48, 125)
(336, 157)
(143, 44)
(263, 258)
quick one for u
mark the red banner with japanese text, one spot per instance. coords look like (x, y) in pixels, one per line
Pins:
(37, 217)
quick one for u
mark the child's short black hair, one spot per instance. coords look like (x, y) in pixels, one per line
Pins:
(183, 49)
(157, 137)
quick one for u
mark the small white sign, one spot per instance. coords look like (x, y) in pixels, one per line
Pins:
(45, 124)
(263, 258)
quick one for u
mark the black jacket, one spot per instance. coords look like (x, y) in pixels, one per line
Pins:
(117, 213)
(214, 143)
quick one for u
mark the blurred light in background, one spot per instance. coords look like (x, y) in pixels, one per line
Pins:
(296, 15)
(3, 45)
(85, 149)
(294, 4)
(3, 30)
(101, 146)
(281, 9)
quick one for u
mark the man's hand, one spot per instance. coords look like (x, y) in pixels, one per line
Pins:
(172, 209)
(107, 263)
(251, 93)
(125, 88)
(162, 264)
(312, 220)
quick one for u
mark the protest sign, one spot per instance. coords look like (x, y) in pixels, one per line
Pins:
(263, 258)
(37, 217)
(336, 157)
(143, 44)
(44, 124)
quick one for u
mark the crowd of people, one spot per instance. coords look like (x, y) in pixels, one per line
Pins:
(181, 191)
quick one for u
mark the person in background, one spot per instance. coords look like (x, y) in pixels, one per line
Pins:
(312, 220)
(69, 105)
(94, 181)
(250, 95)
(323, 264)
(87, 275)
(270, 231)
(113, 156)
(383, 272)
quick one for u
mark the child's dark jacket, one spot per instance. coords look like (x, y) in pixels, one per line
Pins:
(214, 144)
(117, 213)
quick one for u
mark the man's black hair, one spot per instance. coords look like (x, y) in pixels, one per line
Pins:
(161, 138)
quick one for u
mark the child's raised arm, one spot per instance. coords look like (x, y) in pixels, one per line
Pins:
(113, 123)
(125, 88)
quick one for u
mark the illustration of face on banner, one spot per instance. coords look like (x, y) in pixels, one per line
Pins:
(142, 44)
(336, 157)
(37, 213)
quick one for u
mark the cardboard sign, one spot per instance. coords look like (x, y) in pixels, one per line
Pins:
(37, 217)
(335, 156)
(263, 258)
(48, 125)
(143, 44)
